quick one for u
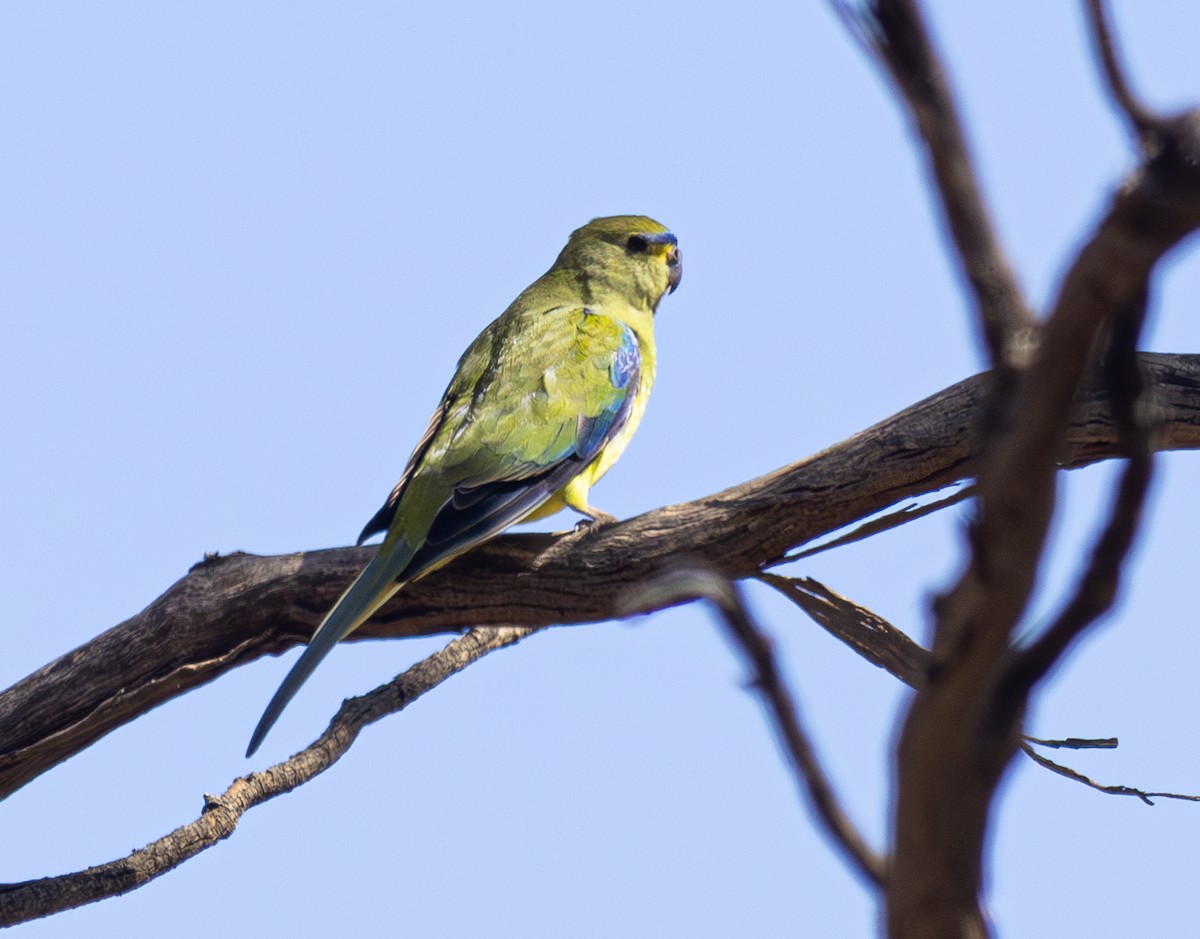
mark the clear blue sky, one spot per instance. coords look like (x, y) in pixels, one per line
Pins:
(241, 247)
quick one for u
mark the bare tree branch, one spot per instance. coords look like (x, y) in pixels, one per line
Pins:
(893, 32)
(868, 634)
(1076, 743)
(231, 610)
(857, 626)
(1142, 121)
(1097, 588)
(1146, 797)
(881, 643)
(32, 899)
(875, 526)
(692, 583)
(959, 734)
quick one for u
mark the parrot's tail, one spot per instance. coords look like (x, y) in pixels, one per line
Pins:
(378, 582)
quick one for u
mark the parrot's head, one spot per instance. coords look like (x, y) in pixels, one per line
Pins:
(631, 255)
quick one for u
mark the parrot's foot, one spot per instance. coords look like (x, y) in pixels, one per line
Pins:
(595, 519)
(567, 540)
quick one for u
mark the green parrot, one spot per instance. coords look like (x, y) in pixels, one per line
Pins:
(542, 404)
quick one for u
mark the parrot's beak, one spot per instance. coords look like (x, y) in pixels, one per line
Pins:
(674, 267)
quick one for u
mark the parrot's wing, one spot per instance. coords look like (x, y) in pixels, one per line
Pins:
(380, 520)
(532, 425)
(558, 439)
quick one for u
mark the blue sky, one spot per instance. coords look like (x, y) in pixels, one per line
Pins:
(241, 247)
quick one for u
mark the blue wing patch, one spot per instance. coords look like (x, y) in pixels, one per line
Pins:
(627, 363)
(593, 432)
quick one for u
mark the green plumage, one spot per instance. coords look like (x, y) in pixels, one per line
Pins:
(541, 405)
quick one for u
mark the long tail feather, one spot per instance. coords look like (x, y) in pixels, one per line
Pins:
(378, 582)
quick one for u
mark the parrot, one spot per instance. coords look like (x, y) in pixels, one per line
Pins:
(542, 403)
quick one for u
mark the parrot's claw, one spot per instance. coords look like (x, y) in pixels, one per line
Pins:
(595, 519)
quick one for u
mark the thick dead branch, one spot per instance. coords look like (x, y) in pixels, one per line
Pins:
(1097, 588)
(231, 610)
(32, 899)
(960, 734)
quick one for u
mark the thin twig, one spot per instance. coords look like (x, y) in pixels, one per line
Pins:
(878, 525)
(1142, 120)
(1076, 743)
(1079, 777)
(21, 902)
(780, 703)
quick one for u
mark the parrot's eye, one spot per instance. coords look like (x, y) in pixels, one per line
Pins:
(638, 244)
